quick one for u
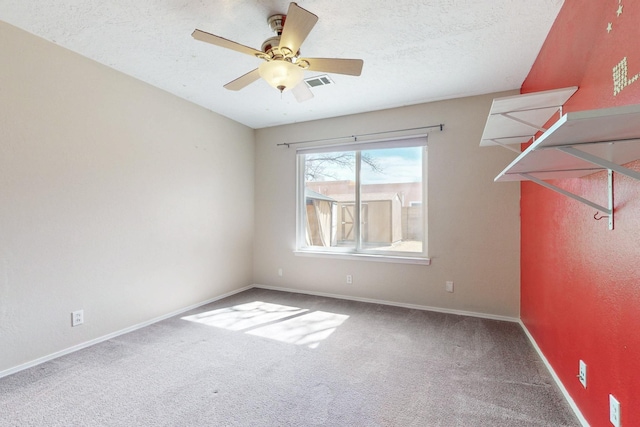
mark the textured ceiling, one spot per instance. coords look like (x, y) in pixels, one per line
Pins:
(414, 51)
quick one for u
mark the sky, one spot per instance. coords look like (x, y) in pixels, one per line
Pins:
(397, 164)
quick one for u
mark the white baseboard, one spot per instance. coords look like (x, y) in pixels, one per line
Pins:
(395, 304)
(86, 344)
(555, 377)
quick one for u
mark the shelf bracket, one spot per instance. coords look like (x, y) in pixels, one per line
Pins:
(607, 210)
(523, 122)
(610, 198)
(508, 147)
(599, 161)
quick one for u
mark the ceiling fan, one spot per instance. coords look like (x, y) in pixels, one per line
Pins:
(283, 68)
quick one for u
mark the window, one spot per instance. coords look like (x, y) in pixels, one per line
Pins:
(363, 199)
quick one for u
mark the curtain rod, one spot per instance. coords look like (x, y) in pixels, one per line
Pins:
(355, 137)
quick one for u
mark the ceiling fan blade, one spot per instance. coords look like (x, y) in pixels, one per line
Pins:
(302, 92)
(297, 26)
(352, 67)
(222, 42)
(243, 81)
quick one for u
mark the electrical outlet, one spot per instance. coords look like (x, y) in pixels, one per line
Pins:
(280, 272)
(614, 411)
(77, 318)
(349, 279)
(449, 286)
(582, 374)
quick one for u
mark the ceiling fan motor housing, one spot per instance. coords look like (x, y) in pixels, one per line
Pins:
(271, 46)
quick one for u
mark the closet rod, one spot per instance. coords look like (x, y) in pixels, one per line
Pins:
(355, 137)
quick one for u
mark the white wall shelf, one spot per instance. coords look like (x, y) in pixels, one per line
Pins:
(516, 119)
(579, 144)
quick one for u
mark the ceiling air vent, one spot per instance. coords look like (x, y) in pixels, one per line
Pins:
(318, 81)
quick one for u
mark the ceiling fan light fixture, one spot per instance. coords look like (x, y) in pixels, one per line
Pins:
(282, 75)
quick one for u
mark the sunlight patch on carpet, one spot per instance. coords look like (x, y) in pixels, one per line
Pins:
(308, 329)
(245, 316)
(283, 323)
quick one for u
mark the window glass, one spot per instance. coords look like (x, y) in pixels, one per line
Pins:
(330, 193)
(391, 191)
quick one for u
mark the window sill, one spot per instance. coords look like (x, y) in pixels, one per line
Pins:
(365, 257)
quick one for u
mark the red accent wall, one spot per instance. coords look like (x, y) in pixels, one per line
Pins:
(580, 295)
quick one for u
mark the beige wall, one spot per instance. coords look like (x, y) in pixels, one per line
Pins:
(473, 222)
(115, 197)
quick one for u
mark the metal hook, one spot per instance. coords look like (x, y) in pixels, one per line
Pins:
(595, 216)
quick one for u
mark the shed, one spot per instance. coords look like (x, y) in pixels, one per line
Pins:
(381, 217)
(321, 221)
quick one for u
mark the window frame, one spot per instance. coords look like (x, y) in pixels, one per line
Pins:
(357, 252)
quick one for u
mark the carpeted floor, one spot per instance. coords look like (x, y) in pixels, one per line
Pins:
(267, 358)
